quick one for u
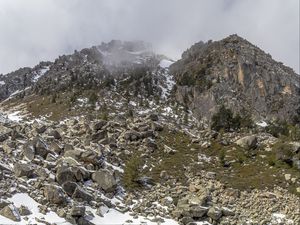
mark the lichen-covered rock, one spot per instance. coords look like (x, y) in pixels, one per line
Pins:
(105, 179)
(23, 170)
(11, 212)
(55, 194)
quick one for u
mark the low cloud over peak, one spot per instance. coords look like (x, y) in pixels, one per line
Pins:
(35, 30)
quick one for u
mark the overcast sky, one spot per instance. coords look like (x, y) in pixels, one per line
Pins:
(35, 30)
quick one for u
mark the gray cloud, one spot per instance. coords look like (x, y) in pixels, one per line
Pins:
(35, 30)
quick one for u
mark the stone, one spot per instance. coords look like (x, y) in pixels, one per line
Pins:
(77, 211)
(287, 177)
(55, 134)
(81, 195)
(102, 210)
(197, 211)
(3, 203)
(98, 136)
(186, 220)
(7, 148)
(105, 179)
(3, 137)
(55, 194)
(21, 170)
(227, 212)
(24, 211)
(99, 124)
(69, 187)
(214, 213)
(11, 212)
(132, 135)
(248, 142)
(84, 220)
(28, 151)
(41, 148)
(64, 174)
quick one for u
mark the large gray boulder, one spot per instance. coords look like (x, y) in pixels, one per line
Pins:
(55, 194)
(11, 212)
(214, 213)
(81, 195)
(64, 174)
(22, 170)
(248, 142)
(105, 179)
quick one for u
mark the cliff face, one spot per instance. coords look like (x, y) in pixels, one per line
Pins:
(239, 75)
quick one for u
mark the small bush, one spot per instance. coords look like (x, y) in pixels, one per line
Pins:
(221, 156)
(278, 128)
(224, 119)
(283, 152)
(131, 172)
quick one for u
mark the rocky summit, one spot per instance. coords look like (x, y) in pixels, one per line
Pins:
(117, 133)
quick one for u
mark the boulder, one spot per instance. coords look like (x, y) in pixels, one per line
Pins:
(98, 136)
(82, 195)
(24, 211)
(55, 134)
(99, 125)
(41, 148)
(55, 194)
(22, 170)
(215, 213)
(11, 212)
(69, 187)
(132, 135)
(102, 210)
(64, 174)
(248, 142)
(196, 211)
(28, 151)
(105, 179)
(77, 211)
(3, 137)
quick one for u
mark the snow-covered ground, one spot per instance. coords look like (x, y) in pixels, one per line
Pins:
(41, 73)
(15, 116)
(25, 200)
(165, 63)
(111, 217)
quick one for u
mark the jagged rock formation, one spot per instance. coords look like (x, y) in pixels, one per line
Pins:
(238, 74)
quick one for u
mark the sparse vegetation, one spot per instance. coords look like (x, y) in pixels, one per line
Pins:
(224, 119)
(131, 172)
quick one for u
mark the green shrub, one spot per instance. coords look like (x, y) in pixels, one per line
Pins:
(131, 172)
(224, 119)
(221, 156)
(294, 133)
(283, 152)
(278, 128)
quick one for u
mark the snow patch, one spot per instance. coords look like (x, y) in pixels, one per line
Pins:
(2, 83)
(115, 217)
(15, 116)
(165, 63)
(25, 200)
(40, 73)
(262, 124)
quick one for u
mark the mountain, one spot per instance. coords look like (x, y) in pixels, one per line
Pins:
(117, 133)
(239, 75)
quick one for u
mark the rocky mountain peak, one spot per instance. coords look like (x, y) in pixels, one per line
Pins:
(238, 74)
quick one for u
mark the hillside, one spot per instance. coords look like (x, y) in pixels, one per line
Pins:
(117, 134)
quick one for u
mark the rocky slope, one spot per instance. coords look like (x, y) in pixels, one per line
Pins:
(239, 75)
(111, 134)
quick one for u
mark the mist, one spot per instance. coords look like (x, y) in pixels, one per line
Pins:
(35, 30)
